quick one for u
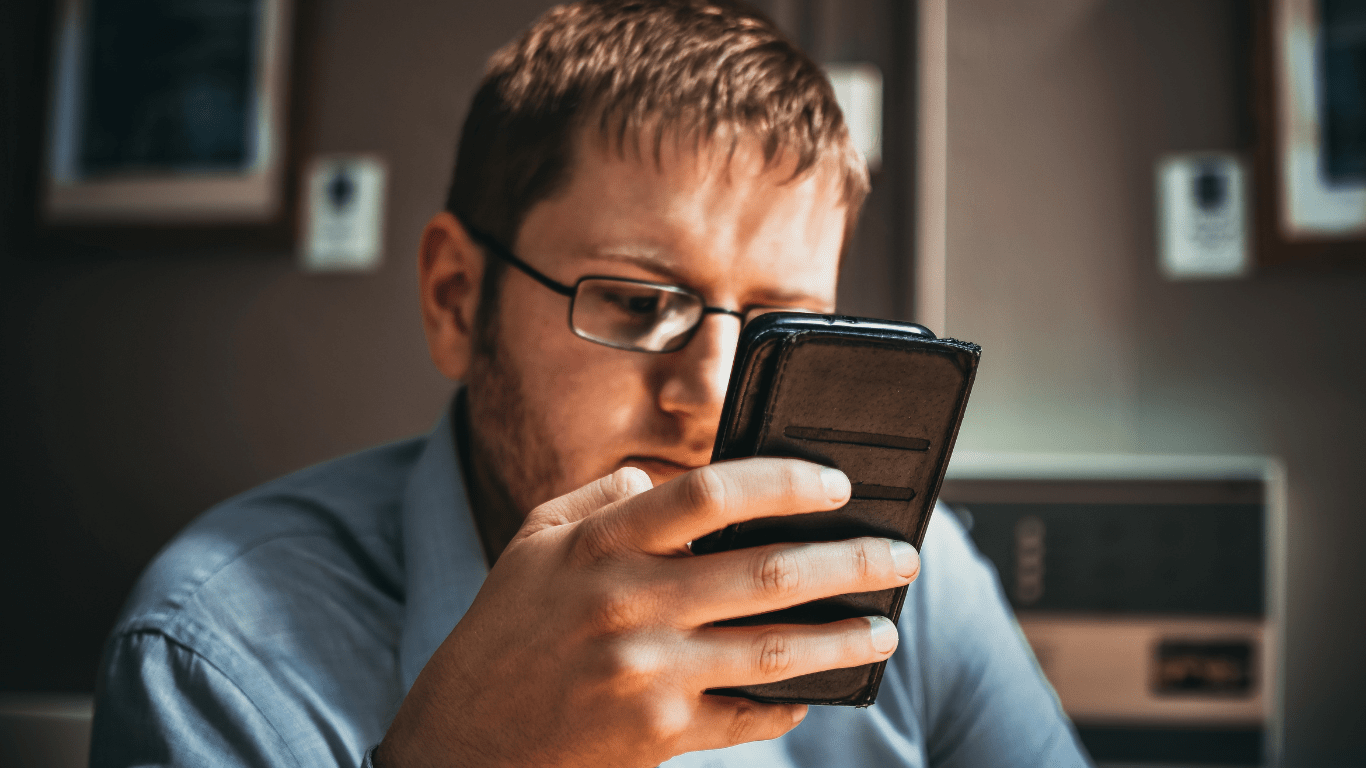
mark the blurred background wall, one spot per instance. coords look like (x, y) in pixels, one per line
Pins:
(136, 392)
(1058, 112)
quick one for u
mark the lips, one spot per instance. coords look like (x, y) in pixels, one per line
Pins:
(658, 467)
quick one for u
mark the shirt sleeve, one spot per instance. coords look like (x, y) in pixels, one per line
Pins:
(986, 701)
(162, 704)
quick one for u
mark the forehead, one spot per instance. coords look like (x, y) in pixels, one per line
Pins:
(714, 214)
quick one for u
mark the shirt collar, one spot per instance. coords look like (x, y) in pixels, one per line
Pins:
(443, 559)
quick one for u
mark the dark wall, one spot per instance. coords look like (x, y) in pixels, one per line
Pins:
(135, 392)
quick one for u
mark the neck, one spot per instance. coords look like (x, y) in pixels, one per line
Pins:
(495, 515)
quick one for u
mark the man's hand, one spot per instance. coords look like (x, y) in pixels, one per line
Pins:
(591, 642)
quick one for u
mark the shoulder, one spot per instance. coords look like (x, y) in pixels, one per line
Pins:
(267, 614)
(951, 564)
(946, 539)
(955, 625)
(966, 676)
(957, 604)
(290, 536)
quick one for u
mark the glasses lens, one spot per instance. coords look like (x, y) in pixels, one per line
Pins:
(653, 318)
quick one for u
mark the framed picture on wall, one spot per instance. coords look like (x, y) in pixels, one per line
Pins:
(166, 113)
(1310, 94)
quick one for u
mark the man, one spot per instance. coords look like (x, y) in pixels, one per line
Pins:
(517, 588)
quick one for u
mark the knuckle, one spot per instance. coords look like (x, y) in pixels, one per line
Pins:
(746, 724)
(778, 574)
(795, 479)
(706, 489)
(547, 515)
(863, 559)
(547, 510)
(597, 540)
(776, 655)
(616, 610)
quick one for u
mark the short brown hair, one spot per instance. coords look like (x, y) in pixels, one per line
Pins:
(695, 69)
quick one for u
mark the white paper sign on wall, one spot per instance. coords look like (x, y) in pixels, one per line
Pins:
(343, 218)
(1202, 217)
(858, 89)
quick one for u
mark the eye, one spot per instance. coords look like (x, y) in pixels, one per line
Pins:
(643, 305)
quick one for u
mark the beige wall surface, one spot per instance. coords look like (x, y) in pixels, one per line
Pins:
(1058, 112)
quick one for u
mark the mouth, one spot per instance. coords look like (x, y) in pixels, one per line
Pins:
(658, 467)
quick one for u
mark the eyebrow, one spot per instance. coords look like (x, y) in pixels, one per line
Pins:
(645, 261)
(669, 274)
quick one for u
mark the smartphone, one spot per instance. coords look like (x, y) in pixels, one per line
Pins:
(881, 401)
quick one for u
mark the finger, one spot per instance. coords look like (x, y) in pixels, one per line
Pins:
(709, 498)
(746, 582)
(766, 654)
(576, 505)
(724, 721)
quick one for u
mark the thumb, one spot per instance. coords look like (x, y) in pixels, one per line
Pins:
(576, 505)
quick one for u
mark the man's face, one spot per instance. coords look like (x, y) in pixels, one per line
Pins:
(551, 411)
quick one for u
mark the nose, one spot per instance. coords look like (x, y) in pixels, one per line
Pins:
(695, 377)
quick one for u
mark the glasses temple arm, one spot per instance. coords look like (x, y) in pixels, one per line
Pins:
(498, 249)
(723, 311)
(502, 252)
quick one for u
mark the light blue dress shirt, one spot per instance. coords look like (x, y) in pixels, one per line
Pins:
(284, 626)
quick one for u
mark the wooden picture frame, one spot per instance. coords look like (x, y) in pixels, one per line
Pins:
(188, 145)
(1307, 212)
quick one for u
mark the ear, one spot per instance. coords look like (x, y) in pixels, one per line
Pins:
(450, 270)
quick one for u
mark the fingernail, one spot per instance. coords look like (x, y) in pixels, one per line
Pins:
(836, 484)
(884, 634)
(905, 558)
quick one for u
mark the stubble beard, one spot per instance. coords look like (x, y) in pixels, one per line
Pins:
(509, 437)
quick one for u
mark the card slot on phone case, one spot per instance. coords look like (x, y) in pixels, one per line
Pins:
(856, 438)
(887, 492)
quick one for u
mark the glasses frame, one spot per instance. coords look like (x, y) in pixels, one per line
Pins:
(505, 254)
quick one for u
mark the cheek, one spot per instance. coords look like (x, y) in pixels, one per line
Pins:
(558, 367)
(599, 404)
(593, 401)
(596, 390)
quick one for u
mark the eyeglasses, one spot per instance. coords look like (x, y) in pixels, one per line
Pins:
(626, 314)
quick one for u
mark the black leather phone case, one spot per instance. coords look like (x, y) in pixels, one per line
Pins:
(880, 400)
